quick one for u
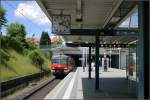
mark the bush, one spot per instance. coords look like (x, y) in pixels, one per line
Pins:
(16, 44)
(31, 46)
(28, 48)
(3, 56)
(25, 51)
(36, 58)
(48, 55)
(12, 42)
(4, 41)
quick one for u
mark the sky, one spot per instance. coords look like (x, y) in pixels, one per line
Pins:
(28, 13)
(134, 21)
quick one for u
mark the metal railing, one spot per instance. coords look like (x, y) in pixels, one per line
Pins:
(6, 85)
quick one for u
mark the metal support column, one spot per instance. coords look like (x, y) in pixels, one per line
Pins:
(143, 50)
(110, 58)
(89, 62)
(119, 58)
(97, 63)
(86, 52)
(83, 59)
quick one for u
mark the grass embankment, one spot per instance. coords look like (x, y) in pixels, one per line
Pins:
(19, 65)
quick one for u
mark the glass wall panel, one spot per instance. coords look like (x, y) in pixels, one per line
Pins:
(132, 69)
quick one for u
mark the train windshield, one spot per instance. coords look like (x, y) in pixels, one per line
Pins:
(63, 61)
(60, 61)
(55, 61)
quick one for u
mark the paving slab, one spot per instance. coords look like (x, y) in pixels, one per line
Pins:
(113, 85)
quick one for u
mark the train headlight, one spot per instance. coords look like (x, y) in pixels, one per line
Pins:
(65, 68)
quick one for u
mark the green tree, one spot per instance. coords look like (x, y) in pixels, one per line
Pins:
(45, 39)
(16, 30)
(17, 34)
(36, 58)
(3, 19)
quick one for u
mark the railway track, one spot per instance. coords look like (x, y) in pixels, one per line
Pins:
(43, 91)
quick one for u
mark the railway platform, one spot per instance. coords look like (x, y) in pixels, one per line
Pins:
(77, 85)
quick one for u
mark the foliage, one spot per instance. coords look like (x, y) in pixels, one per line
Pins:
(48, 54)
(36, 58)
(31, 46)
(3, 19)
(45, 40)
(11, 42)
(28, 48)
(16, 30)
(4, 56)
(18, 65)
(25, 52)
(13, 64)
(16, 37)
(16, 44)
(4, 41)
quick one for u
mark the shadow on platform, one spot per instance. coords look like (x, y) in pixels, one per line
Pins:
(110, 88)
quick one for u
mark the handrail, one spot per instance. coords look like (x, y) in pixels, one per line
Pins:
(6, 85)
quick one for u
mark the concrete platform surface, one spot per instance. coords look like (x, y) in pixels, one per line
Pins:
(76, 85)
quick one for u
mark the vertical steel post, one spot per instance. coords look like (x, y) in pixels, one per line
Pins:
(83, 58)
(110, 58)
(119, 58)
(86, 54)
(89, 62)
(143, 50)
(97, 63)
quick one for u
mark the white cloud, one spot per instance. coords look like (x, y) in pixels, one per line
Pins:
(32, 11)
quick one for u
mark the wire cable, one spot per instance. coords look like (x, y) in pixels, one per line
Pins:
(37, 27)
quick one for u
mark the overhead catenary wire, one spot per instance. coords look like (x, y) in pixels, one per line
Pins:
(21, 14)
(34, 25)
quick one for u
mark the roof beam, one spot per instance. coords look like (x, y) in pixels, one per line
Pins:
(39, 2)
(102, 32)
(121, 13)
(112, 13)
(129, 14)
(100, 45)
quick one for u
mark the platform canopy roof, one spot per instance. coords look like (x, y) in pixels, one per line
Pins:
(92, 14)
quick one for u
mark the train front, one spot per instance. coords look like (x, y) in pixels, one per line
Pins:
(60, 65)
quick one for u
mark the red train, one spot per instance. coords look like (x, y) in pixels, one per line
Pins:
(61, 65)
